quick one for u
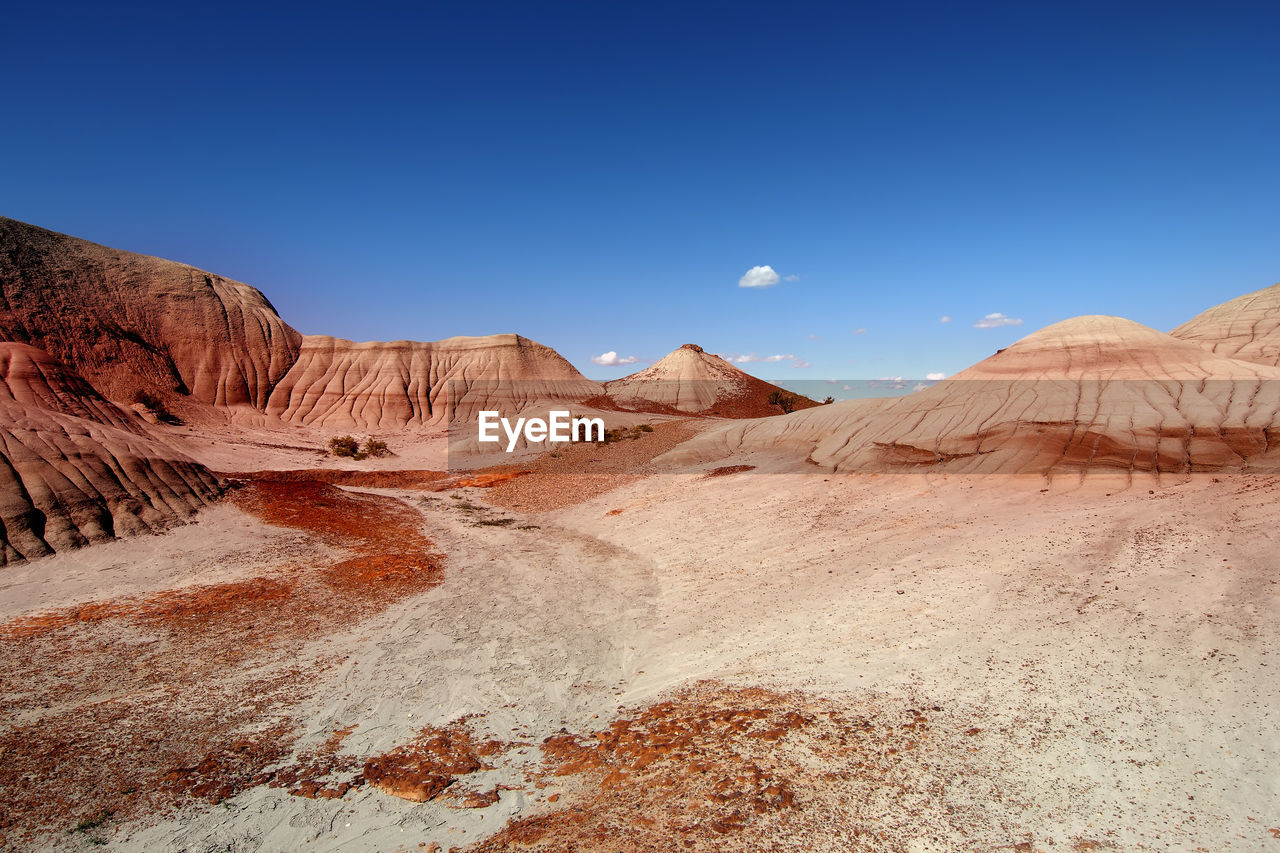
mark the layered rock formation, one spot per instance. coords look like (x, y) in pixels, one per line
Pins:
(82, 325)
(338, 384)
(690, 380)
(130, 323)
(75, 468)
(1246, 328)
(1093, 392)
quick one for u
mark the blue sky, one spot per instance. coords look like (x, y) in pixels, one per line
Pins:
(599, 176)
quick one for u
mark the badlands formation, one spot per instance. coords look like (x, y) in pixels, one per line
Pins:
(1032, 607)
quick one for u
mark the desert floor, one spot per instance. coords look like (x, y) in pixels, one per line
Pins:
(750, 660)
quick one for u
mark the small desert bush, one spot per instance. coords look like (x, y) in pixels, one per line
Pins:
(349, 447)
(784, 401)
(345, 445)
(622, 433)
(156, 405)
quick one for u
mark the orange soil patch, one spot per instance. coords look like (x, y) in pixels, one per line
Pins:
(342, 477)
(748, 769)
(423, 768)
(484, 481)
(132, 705)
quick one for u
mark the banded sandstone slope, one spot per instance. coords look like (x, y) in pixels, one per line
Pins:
(83, 325)
(1245, 328)
(691, 381)
(339, 384)
(129, 322)
(1089, 393)
(77, 469)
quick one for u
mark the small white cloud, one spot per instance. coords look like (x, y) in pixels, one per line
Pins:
(813, 337)
(610, 359)
(801, 363)
(996, 320)
(859, 331)
(759, 277)
(934, 377)
(944, 319)
(792, 277)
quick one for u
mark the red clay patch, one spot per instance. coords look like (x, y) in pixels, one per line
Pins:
(745, 769)
(423, 768)
(135, 704)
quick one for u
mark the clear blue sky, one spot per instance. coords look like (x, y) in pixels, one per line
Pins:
(599, 176)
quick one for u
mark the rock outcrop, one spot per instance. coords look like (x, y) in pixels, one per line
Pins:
(77, 469)
(338, 384)
(1088, 393)
(130, 323)
(692, 381)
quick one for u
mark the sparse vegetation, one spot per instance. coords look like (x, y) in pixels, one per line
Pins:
(784, 401)
(88, 823)
(828, 401)
(155, 405)
(493, 522)
(344, 445)
(349, 447)
(622, 433)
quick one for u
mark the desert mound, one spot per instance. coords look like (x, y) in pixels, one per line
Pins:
(1246, 328)
(130, 323)
(340, 384)
(1092, 392)
(692, 381)
(75, 468)
(82, 325)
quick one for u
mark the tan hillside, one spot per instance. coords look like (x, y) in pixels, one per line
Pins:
(692, 381)
(1092, 392)
(340, 384)
(1247, 327)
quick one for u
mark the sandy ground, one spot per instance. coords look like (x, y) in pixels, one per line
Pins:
(1096, 659)
(224, 544)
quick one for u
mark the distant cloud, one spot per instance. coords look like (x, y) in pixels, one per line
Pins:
(813, 337)
(934, 377)
(996, 320)
(749, 358)
(792, 277)
(610, 359)
(759, 277)
(859, 331)
(944, 319)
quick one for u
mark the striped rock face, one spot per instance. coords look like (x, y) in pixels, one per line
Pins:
(1245, 328)
(339, 384)
(77, 469)
(130, 323)
(1088, 393)
(690, 380)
